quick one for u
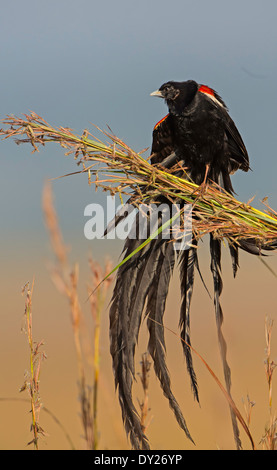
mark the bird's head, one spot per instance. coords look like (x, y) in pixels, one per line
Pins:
(177, 95)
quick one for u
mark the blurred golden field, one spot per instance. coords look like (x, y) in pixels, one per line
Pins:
(246, 301)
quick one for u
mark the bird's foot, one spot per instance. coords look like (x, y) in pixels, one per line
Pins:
(201, 190)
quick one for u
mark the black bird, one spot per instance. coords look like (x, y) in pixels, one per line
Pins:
(199, 130)
(199, 134)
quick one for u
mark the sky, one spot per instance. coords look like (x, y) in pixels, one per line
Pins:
(85, 63)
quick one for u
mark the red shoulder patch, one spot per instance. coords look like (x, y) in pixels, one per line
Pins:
(158, 123)
(206, 89)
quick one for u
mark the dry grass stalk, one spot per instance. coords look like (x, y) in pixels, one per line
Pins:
(66, 280)
(248, 408)
(269, 364)
(118, 169)
(45, 410)
(31, 382)
(144, 404)
(97, 300)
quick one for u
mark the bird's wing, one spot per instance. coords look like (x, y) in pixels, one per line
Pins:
(235, 148)
(162, 142)
(238, 156)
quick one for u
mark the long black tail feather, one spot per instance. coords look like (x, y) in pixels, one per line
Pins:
(188, 260)
(234, 252)
(155, 311)
(120, 352)
(144, 277)
(129, 285)
(148, 269)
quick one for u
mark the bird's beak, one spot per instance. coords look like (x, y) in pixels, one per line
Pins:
(157, 93)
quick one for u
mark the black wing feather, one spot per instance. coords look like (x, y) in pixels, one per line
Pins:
(238, 156)
(235, 149)
(162, 141)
